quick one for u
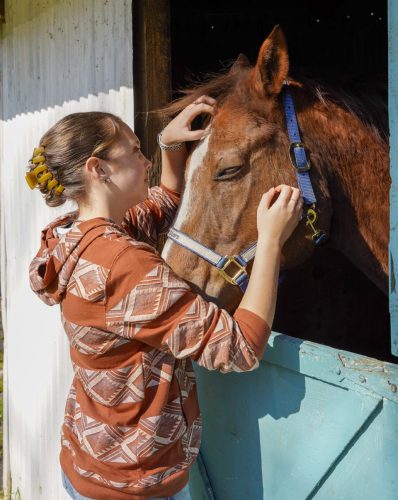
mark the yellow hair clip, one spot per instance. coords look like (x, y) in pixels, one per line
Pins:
(32, 178)
(59, 189)
(38, 151)
(52, 184)
(39, 169)
(45, 177)
(40, 174)
(38, 159)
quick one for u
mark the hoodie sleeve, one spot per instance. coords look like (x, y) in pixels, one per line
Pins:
(152, 217)
(148, 302)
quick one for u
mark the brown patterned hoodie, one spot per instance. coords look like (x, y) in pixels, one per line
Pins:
(132, 423)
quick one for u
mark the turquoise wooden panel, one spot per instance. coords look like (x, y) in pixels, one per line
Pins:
(393, 120)
(199, 483)
(310, 422)
(377, 441)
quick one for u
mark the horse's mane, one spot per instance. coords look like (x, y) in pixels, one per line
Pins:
(366, 101)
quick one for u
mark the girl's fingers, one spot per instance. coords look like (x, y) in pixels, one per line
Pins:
(197, 110)
(295, 197)
(285, 194)
(195, 135)
(267, 198)
(182, 123)
(204, 99)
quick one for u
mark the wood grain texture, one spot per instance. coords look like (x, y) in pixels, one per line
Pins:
(152, 73)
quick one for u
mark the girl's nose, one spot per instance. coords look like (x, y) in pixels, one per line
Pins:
(148, 165)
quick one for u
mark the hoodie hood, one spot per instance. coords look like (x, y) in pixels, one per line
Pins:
(62, 242)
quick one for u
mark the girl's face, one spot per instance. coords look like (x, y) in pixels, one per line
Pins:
(128, 169)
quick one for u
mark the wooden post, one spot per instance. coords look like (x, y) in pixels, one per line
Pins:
(2, 11)
(151, 74)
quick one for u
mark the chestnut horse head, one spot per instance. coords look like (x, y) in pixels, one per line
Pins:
(247, 151)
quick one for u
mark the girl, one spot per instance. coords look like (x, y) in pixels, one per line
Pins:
(132, 424)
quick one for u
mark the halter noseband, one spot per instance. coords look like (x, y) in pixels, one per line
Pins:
(233, 268)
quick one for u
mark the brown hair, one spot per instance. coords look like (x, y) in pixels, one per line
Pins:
(67, 146)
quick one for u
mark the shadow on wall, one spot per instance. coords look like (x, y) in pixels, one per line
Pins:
(238, 411)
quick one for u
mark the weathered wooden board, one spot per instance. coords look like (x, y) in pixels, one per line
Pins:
(393, 117)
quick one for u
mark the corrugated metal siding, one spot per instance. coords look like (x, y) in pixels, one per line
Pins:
(56, 58)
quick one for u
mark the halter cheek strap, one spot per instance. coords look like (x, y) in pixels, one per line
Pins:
(232, 268)
(297, 152)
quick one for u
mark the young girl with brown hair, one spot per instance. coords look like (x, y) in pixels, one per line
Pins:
(132, 423)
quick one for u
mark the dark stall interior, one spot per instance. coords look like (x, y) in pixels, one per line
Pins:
(326, 300)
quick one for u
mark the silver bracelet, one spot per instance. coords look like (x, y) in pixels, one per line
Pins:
(170, 147)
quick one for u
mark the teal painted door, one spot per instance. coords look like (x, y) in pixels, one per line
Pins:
(310, 422)
(393, 120)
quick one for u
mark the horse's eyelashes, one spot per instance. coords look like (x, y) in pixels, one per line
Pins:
(227, 173)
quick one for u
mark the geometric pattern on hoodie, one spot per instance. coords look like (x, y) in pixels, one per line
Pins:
(130, 319)
(133, 395)
(156, 294)
(88, 281)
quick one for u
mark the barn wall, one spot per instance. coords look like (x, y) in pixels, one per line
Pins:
(55, 58)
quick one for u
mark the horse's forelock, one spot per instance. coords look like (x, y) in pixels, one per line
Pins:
(218, 86)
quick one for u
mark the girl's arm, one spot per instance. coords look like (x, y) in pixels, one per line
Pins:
(276, 220)
(148, 302)
(173, 167)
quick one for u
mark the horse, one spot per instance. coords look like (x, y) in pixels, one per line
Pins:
(247, 151)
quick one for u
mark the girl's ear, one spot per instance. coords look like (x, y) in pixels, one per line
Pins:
(93, 168)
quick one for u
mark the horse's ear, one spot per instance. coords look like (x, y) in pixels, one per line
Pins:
(273, 62)
(241, 62)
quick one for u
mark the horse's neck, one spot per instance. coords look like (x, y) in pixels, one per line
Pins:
(357, 169)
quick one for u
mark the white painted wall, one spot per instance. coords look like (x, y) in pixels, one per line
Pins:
(56, 57)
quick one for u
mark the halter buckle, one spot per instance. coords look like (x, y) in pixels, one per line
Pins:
(231, 278)
(292, 147)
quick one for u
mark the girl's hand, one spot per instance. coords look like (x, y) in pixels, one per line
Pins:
(277, 218)
(179, 129)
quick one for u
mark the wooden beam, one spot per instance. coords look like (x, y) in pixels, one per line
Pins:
(2, 11)
(151, 73)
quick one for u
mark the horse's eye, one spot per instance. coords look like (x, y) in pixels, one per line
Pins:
(227, 173)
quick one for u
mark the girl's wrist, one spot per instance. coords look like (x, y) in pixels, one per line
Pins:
(166, 143)
(269, 243)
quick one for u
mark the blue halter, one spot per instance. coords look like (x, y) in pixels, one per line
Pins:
(297, 152)
(233, 268)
